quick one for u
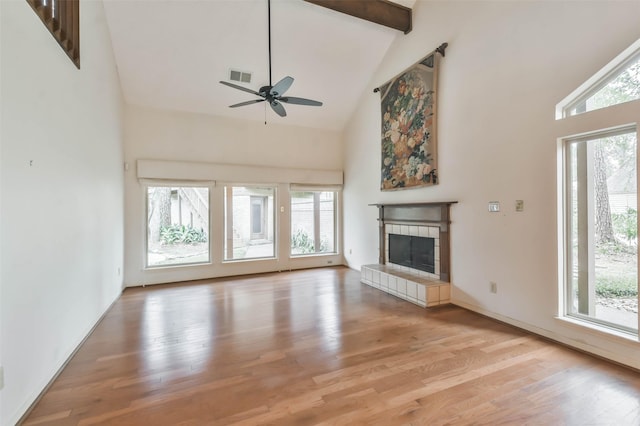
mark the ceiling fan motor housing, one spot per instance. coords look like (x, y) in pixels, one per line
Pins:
(264, 90)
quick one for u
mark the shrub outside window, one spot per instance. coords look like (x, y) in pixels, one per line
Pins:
(313, 222)
(177, 225)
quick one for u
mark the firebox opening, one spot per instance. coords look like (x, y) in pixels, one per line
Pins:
(413, 252)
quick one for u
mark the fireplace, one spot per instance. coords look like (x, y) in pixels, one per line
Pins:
(429, 220)
(412, 251)
(421, 236)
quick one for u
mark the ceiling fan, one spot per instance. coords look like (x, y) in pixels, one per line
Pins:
(273, 93)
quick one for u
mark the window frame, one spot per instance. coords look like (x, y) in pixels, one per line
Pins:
(596, 82)
(572, 127)
(566, 234)
(274, 188)
(599, 85)
(336, 206)
(146, 184)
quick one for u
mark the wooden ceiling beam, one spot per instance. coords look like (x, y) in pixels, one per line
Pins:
(381, 12)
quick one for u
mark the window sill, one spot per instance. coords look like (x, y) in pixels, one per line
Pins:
(178, 265)
(306, 255)
(599, 330)
(250, 259)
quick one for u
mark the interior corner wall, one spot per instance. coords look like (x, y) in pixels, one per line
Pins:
(153, 134)
(506, 67)
(61, 191)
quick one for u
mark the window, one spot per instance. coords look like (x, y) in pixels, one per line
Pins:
(259, 223)
(313, 222)
(622, 85)
(177, 225)
(249, 222)
(602, 228)
(618, 82)
(599, 213)
(62, 19)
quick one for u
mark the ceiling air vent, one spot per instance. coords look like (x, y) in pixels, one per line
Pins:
(242, 77)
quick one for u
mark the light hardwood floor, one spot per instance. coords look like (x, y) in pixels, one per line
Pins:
(317, 347)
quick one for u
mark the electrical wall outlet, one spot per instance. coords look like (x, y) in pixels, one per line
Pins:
(494, 206)
(493, 286)
(519, 205)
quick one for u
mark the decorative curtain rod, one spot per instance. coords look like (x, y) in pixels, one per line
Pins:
(440, 49)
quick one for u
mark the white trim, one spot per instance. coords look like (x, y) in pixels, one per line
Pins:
(598, 80)
(297, 187)
(600, 133)
(186, 170)
(146, 184)
(337, 190)
(564, 301)
(276, 220)
(632, 345)
(35, 397)
(561, 224)
(168, 182)
(602, 331)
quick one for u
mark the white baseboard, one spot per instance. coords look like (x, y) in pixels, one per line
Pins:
(584, 346)
(23, 412)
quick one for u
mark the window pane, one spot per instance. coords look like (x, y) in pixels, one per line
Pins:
(312, 222)
(327, 222)
(249, 222)
(622, 87)
(602, 230)
(177, 225)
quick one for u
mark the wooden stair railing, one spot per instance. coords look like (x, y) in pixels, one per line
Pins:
(62, 19)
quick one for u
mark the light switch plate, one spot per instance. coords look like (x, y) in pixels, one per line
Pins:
(494, 206)
(519, 205)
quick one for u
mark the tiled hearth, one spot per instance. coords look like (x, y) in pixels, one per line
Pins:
(423, 220)
(422, 291)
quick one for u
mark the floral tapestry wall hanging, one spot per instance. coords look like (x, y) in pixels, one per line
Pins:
(408, 108)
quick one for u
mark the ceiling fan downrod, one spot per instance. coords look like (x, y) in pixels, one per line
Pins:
(269, 31)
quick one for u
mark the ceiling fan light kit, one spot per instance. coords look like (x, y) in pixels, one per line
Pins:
(273, 94)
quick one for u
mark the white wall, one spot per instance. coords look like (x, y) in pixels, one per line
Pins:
(506, 67)
(152, 134)
(62, 196)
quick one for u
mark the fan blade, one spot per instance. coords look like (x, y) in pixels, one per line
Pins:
(300, 101)
(281, 86)
(278, 108)
(246, 103)
(244, 89)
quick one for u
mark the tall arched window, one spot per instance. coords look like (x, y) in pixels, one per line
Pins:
(599, 214)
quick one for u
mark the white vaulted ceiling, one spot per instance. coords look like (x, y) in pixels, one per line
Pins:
(171, 54)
